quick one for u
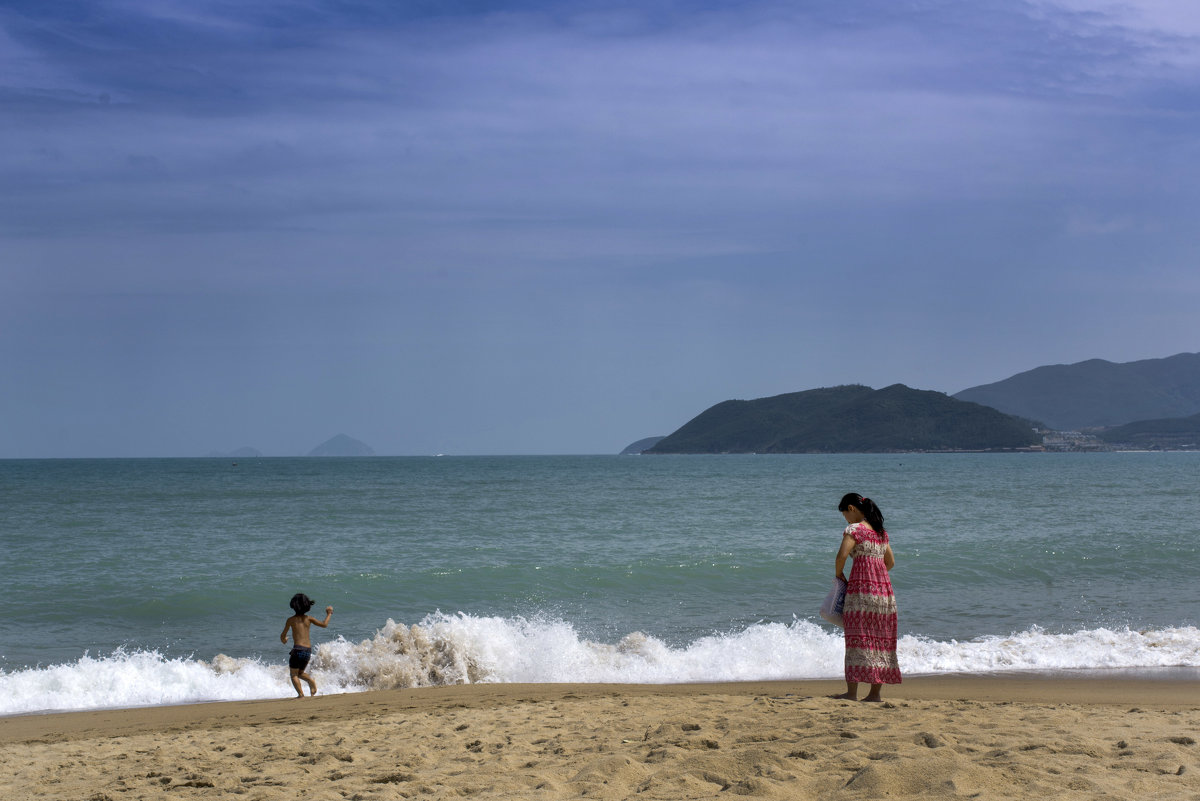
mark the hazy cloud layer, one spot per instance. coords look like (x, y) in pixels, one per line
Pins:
(548, 227)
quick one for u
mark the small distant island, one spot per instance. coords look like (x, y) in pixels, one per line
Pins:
(851, 419)
(342, 445)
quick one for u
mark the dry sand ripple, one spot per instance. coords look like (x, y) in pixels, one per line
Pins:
(934, 738)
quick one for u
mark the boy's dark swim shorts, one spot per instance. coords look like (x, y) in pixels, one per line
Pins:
(298, 658)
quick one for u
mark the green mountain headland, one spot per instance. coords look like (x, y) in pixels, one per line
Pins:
(849, 419)
(641, 445)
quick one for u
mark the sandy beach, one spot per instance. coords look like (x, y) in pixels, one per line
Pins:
(943, 737)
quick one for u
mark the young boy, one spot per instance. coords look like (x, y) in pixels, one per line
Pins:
(298, 625)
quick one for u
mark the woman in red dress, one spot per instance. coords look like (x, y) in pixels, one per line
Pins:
(870, 610)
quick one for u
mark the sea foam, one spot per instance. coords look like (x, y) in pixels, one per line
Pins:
(456, 649)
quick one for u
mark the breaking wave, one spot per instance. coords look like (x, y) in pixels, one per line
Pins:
(458, 649)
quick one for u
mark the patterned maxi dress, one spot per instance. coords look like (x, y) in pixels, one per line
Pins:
(870, 611)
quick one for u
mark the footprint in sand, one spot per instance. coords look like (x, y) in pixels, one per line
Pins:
(393, 778)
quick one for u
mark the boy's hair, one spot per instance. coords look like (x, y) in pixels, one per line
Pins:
(301, 603)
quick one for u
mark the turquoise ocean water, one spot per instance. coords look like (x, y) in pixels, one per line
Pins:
(151, 581)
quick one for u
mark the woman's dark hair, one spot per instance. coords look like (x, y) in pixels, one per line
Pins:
(301, 603)
(868, 508)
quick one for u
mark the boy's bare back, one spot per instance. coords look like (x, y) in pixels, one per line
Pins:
(299, 626)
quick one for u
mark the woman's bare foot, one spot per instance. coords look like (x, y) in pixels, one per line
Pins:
(873, 698)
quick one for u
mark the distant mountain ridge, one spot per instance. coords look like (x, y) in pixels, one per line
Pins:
(1172, 433)
(849, 419)
(1097, 393)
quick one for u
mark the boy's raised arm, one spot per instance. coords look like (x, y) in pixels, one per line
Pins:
(323, 623)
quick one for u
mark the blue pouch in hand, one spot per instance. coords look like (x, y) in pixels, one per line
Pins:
(834, 603)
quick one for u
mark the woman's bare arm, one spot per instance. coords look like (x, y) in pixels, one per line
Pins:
(839, 565)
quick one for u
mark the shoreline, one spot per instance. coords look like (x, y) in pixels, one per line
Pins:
(1179, 688)
(1023, 679)
(989, 737)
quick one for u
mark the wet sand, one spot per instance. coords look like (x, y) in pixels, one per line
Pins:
(992, 737)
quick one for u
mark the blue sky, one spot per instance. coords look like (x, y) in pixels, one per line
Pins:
(478, 227)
